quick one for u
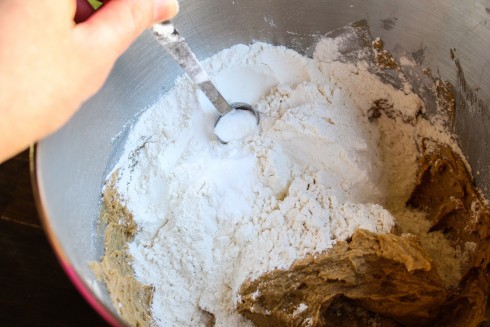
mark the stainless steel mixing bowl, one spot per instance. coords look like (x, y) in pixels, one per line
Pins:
(69, 166)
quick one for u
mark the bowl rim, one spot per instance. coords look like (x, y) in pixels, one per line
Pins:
(39, 198)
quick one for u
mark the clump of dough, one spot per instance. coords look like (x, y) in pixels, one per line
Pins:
(130, 298)
(388, 274)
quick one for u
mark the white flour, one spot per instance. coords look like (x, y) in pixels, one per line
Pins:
(213, 215)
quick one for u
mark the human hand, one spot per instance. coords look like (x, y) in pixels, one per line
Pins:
(49, 65)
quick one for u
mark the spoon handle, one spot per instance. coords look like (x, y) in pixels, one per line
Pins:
(176, 46)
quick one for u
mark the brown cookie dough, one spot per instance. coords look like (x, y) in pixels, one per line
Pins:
(382, 57)
(388, 280)
(445, 189)
(387, 274)
(130, 298)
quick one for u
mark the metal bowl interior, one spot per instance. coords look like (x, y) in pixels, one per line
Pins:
(69, 166)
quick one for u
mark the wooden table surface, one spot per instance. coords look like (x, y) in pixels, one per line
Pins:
(34, 289)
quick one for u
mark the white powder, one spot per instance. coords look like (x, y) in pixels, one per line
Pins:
(211, 215)
(301, 308)
(235, 125)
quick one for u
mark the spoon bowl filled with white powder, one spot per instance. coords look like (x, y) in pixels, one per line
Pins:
(237, 124)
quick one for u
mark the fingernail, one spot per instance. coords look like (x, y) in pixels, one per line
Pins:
(166, 9)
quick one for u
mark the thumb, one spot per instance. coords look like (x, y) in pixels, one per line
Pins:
(118, 22)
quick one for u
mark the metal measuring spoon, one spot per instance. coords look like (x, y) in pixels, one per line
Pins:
(176, 46)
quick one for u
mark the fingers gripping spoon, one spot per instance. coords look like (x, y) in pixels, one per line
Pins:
(176, 46)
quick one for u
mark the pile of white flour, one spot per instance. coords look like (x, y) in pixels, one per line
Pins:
(316, 169)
